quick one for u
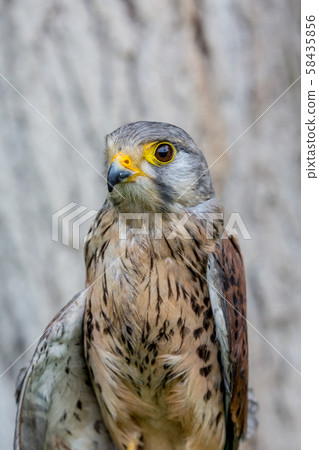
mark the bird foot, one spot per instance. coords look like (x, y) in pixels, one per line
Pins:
(133, 445)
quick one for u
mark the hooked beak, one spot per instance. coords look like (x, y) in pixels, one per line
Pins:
(122, 170)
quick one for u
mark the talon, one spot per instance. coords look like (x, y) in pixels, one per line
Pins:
(133, 445)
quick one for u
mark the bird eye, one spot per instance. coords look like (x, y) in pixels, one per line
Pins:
(164, 152)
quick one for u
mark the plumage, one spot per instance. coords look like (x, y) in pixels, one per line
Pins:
(57, 407)
(165, 336)
(226, 275)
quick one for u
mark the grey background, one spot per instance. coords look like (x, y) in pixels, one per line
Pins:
(210, 67)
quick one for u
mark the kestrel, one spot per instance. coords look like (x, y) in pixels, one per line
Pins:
(160, 360)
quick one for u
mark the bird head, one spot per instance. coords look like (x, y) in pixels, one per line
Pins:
(155, 166)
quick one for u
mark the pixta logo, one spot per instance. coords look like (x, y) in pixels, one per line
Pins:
(68, 222)
(144, 222)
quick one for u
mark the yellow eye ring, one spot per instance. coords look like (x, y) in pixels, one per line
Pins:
(159, 153)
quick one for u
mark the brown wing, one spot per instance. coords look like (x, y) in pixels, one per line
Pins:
(226, 277)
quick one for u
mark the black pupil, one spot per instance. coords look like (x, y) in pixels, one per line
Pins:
(164, 152)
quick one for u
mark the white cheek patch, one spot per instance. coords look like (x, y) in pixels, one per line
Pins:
(148, 168)
(182, 174)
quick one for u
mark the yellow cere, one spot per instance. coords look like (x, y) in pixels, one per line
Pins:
(150, 150)
(126, 161)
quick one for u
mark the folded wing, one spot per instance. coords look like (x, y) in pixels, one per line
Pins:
(227, 288)
(57, 407)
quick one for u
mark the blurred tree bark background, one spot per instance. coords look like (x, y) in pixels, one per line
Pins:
(212, 68)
